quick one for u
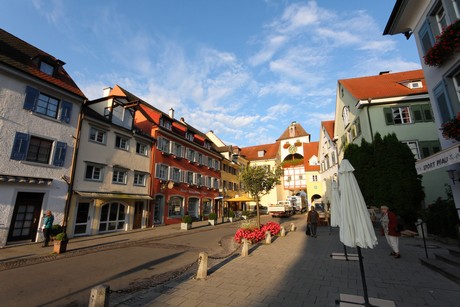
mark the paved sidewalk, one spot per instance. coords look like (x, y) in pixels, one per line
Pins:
(19, 254)
(298, 271)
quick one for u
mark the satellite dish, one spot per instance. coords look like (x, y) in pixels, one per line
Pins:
(170, 185)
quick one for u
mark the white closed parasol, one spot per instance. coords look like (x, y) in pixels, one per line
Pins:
(335, 206)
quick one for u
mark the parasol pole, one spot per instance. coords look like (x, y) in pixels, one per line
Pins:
(363, 278)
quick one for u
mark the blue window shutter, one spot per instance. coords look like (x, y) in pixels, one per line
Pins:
(20, 145)
(66, 111)
(31, 98)
(59, 154)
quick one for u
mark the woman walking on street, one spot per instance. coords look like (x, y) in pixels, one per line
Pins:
(312, 220)
(390, 229)
(47, 226)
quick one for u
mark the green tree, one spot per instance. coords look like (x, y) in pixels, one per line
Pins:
(385, 171)
(258, 181)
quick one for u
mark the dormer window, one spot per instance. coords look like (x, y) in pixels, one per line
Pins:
(261, 153)
(165, 123)
(189, 136)
(207, 145)
(412, 84)
(46, 68)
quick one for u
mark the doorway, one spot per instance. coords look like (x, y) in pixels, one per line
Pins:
(158, 210)
(82, 219)
(138, 210)
(26, 216)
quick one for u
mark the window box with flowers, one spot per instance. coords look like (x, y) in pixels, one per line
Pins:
(447, 44)
(451, 128)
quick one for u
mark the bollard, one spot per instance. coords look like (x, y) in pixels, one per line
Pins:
(99, 296)
(245, 249)
(203, 266)
(283, 232)
(268, 237)
(293, 227)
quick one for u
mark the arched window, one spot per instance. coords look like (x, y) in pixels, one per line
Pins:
(112, 217)
(175, 208)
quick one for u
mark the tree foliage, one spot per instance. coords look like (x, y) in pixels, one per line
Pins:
(385, 171)
(258, 181)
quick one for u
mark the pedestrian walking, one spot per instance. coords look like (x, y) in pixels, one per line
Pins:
(48, 220)
(312, 220)
(390, 229)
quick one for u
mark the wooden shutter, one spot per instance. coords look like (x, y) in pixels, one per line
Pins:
(66, 111)
(20, 145)
(31, 98)
(427, 114)
(417, 113)
(388, 116)
(59, 154)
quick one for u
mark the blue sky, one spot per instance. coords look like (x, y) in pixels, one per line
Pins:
(243, 68)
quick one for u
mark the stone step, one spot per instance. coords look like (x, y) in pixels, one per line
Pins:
(449, 271)
(454, 251)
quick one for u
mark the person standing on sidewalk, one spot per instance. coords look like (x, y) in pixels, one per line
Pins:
(389, 223)
(312, 220)
(47, 227)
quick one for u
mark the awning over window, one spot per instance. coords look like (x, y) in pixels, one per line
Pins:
(440, 159)
(113, 195)
(240, 198)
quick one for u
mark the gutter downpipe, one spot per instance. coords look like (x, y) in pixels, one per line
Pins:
(369, 101)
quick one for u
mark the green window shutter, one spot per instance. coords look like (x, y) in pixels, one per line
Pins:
(388, 116)
(427, 114)
(429, 147)
(417, 113)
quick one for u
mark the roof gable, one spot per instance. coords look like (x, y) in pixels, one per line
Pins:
(385, 85)
(22, 56)
(310, 150)
(294, 130)
(251, 153)
(329, 127)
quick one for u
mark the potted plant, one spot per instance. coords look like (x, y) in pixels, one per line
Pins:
(245, 214)
(231, 216)
(186, 222)
(55, 230)
(446, 46)
(60, 243)
(451, 128)
(212, 218)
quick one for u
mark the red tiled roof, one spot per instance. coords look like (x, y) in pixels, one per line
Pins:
(310, 150)
(329, 127)
(22, 56)
(385, 85)
(251, 152)
(299, 131)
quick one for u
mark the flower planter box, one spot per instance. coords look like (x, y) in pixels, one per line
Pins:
(212, 222)
(185, 226)
(60, 246)
(231, 219)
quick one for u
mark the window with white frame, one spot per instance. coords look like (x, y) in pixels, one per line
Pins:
(177, 150)
(121, 142)
(413, 146)
(97, 135)
(199, 158)
(165, 123)
(216, 165)
(189, 177)
(441, 18)
(175, 174)
(142, 149)
(94, 172)
(140, 179)
(164, 145)
(401, 115)
(119, 176)
(191, 155)
(261, 153)
(162, 171)
(199, 179)
(39, 150)
(189, 136)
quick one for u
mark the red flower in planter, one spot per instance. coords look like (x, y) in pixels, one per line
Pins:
(451, 128)
(447, 44)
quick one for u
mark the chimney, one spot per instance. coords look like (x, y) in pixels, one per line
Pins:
(171, 113)
(106, 92)
(182, 120)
